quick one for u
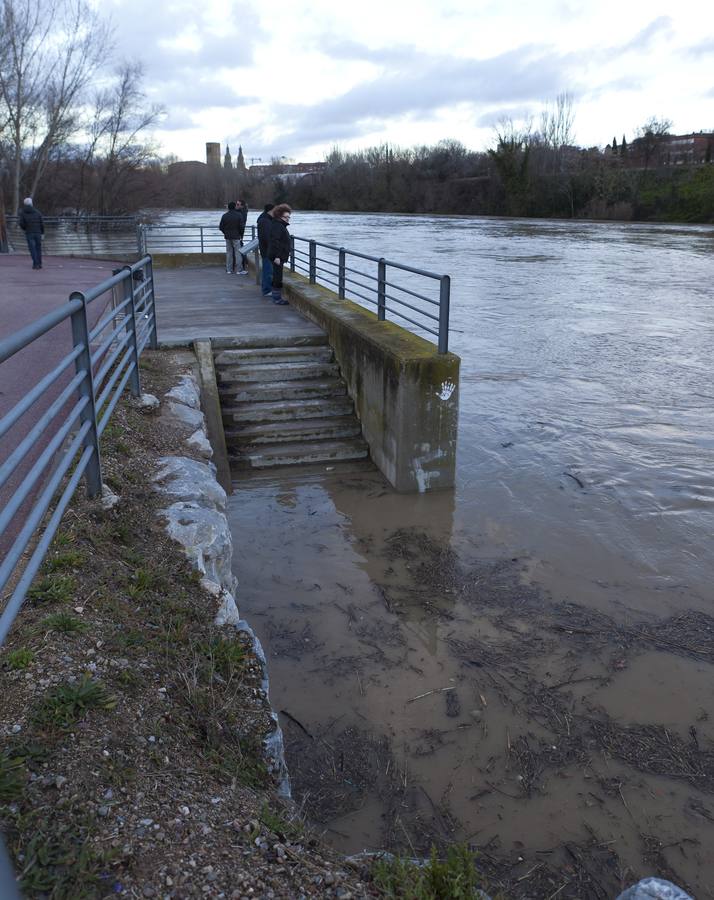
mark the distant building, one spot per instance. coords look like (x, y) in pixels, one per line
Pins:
(213, 154)
(672, 149)
(227, 164)
(240, 161)
(289, 170)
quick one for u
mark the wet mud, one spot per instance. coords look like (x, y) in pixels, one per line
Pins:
(431, 690)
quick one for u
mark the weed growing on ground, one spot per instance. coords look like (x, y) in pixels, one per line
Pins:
(454, 877)
(21, 658)
(11, 776)
(289, 829)
(143, 581)
(229, 657)
(54, 588)
(63, 561)
(64, 622)
(67, 703)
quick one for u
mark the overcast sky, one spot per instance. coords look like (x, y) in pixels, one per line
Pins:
(296, 79)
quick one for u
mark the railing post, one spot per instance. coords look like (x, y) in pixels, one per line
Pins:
(313, 262)
(201, 230)
(382, 290)
(128, 285)
(154, 338)
(257, 263)
(83, 363)
(341, 274)
(8, 883)
(444, 299)
(292, 253)
(139, 241)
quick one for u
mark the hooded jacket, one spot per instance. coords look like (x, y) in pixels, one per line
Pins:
(279, 241)
(232, 225)
(30, 220)
(264, 222)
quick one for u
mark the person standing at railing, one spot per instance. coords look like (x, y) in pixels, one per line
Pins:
(31, 222)
(279, 249)
(232, 225)
(242, 210)
(264, 222)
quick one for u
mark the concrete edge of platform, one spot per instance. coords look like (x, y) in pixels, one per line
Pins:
(211, 404)
(405, 392)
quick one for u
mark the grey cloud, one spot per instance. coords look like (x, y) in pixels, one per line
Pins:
(344, 49)
(703, 48)
(643, 39)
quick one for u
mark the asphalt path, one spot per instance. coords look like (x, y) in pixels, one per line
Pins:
(27, 295)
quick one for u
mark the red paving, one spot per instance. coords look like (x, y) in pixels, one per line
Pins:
(26, 295)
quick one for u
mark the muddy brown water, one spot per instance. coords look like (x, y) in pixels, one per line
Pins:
(554, 609)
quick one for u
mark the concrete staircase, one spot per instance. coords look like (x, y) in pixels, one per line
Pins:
(286, 406)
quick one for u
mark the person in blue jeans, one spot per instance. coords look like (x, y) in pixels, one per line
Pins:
(31, 222)
(266, 274)
(279, 247)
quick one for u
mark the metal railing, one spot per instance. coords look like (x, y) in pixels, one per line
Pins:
(82, 235)
(372, 280)
(61, 445)
(105, 358)
(160, 238)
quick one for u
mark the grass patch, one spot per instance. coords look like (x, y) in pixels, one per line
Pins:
(12, 776)
(64, 622)
(454, 877)
(65, 867)
(275, 821)
(68, 703)
(53, 588)
(20, 659)
(143, 581)
(228, 657)
(63, 561)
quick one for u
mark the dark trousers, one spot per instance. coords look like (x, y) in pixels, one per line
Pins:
(277, 279)
(34, 244)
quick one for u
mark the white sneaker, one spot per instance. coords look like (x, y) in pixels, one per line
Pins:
(242, 272)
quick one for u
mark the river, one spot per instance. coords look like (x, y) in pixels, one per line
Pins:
(415, 637)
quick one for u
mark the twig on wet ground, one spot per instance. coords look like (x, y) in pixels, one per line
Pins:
(429, 693)
(284, 712)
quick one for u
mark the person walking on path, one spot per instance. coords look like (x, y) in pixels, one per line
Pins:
(279, 249)
(232, 225)
(266, 273)
(31, 222)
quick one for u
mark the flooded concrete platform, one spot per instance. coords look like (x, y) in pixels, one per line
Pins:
(204, 302)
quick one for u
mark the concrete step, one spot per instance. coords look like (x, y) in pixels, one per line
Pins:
(291, 431)
(305, 474)
(300, 453)
(319, 408)
(266, 355)
(263, 341)
(276, 372)
(254, 391)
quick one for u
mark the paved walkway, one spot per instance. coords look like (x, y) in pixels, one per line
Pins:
(205, 302)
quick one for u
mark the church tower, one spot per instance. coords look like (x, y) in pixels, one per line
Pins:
(240, 162)
(227, 164)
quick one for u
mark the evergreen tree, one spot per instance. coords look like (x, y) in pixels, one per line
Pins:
(623, 146)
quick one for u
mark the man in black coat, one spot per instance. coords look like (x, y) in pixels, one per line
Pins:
(279, 248)
(264, 222)
(30, 220)
(232, 225)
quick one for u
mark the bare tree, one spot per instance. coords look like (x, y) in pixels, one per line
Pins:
(557, 129)
(49, 51)
(116, 150)
(649, 137)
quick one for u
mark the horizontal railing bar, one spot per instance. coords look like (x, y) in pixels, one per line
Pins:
(418, 324)
(409, 306)
(360, 283)
(398, 287)
(110, 360)
(328, 262)
(362, 296)
(20, 339)
(111, 315)
(104, 421)
(377, 259)
(10, 464)
(99, 351)
(15, 602)
(101, 399)
(28, 400)
(33, 520)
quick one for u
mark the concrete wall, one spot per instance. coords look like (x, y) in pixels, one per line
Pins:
(406, 393)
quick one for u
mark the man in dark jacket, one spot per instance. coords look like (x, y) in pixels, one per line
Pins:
(266, 276)
(30, 220)
(279, 248)
(232, 225)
